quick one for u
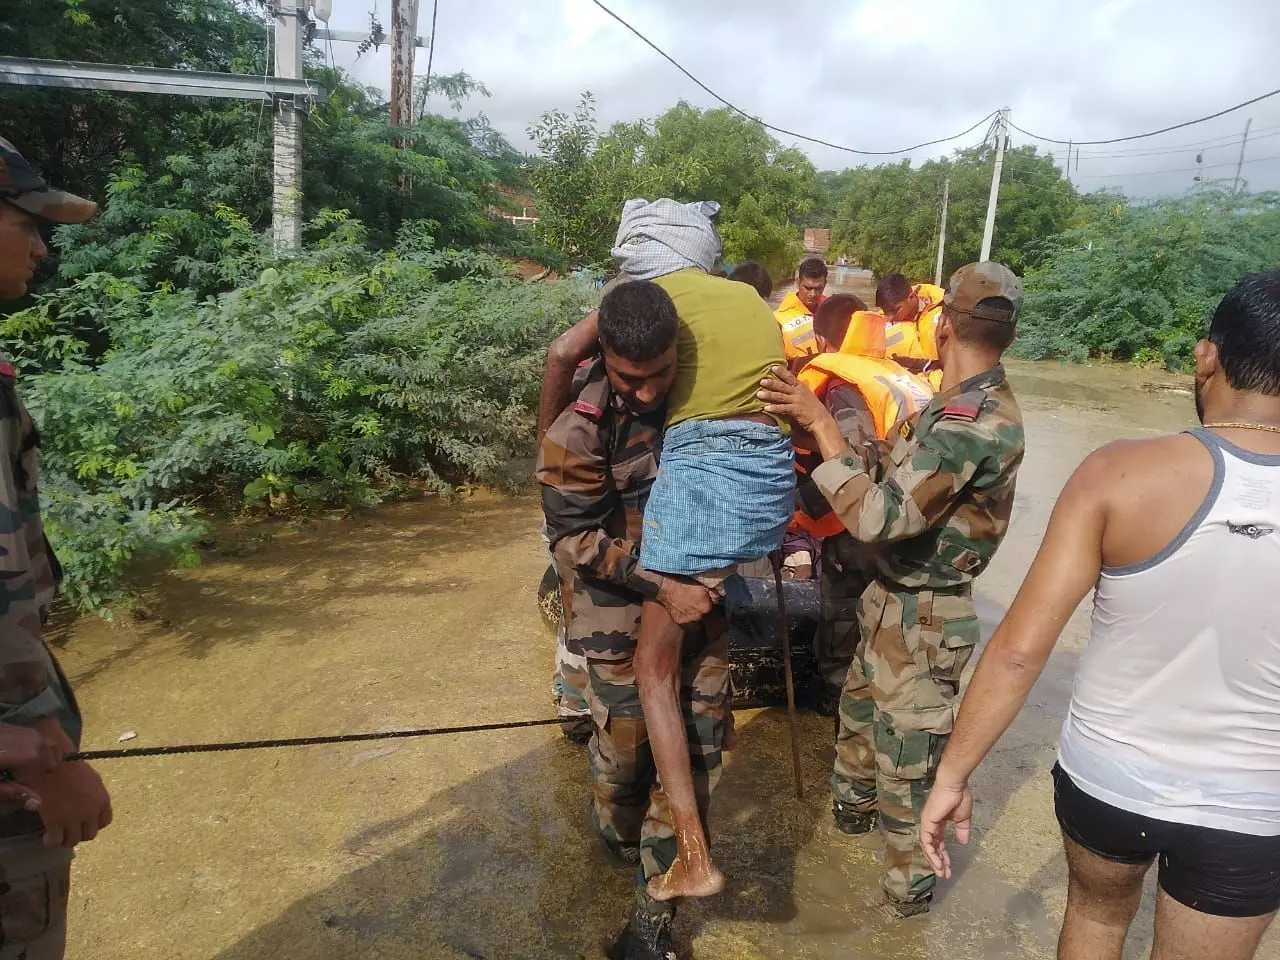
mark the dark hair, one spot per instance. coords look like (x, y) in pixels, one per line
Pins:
(832, 318)
(1246, 330)
(983, 332)
(812, 267)
(892, 290)
(752, 274)
(637, 321)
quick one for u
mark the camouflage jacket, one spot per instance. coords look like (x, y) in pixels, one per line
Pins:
(30, 685)
(596, 466)
(937, 497)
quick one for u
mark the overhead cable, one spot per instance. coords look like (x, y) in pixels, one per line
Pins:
(776, 129)
(1153, 133)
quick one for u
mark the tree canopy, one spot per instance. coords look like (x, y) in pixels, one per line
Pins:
(766, 192)
(887, 217)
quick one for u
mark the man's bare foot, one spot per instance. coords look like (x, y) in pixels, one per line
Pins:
(730, 739)
(704, 881)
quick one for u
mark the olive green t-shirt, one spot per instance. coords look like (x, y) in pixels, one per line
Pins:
(727, 342)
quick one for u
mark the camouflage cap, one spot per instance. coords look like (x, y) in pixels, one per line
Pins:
(975, 282)
(21, 186)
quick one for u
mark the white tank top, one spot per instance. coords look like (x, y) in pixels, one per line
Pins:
(1175, 713)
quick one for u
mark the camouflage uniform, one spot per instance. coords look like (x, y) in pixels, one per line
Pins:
(596, 466)
(34, 881)
(936, 500)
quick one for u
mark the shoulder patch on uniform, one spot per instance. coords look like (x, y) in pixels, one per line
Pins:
(966, 407)
(588, 409)
(905, 429)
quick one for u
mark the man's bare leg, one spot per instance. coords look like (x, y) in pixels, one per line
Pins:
(657, 666)
(1186, 934)
(1102, 899)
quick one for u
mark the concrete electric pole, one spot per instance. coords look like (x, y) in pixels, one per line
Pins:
(942, 231)
(404, 30)
(286, 174)
(988, 232)
(1240, 163)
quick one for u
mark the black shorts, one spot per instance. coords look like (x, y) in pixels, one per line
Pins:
(1217, 872)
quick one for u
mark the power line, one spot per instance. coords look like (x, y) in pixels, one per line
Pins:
(1195, 169)
(431, 50)
(776, 129)
(1219, 143)
(1153, 133)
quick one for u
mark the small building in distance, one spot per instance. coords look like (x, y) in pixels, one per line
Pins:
(817, 241)
(515, 200)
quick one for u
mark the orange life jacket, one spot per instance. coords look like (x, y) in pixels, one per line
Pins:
(891, 393)
(798, 339)
(918, 339)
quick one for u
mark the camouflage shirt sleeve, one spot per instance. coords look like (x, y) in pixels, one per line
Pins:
(918, 485)
(579, 499)
(26, 577)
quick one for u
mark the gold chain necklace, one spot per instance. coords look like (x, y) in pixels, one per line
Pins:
(1239, 425)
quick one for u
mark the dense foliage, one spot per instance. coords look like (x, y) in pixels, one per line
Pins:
(177, 367)
(1138, 282)
(766, 192)
(338, 376)
(887, 217)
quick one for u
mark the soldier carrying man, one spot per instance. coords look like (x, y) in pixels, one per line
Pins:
(935, 500)
(596, 466)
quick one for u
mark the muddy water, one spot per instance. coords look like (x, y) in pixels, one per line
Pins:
(478, 846)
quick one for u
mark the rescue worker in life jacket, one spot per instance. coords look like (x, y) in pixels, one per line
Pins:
(868, 395)
(912, 313)
(795, 313)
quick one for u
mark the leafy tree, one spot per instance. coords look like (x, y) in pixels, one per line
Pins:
(1138, 282)
(582, 178)
(887, 216)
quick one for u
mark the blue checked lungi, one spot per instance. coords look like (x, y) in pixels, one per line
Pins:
(724, 494)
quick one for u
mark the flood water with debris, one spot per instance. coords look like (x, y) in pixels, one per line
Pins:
(425, 613)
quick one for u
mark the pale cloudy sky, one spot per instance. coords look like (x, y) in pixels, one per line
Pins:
(883, 74)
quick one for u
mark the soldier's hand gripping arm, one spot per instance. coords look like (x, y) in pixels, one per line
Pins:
(578, 497)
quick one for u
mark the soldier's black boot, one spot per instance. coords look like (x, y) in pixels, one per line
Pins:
(905, 909)
(577, 730)
(851, 820)
(648, 935)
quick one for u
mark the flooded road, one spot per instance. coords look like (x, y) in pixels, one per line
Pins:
(479, 845)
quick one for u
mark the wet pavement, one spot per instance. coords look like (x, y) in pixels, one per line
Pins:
(479, 845)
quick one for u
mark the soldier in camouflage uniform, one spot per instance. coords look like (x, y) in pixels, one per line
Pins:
(935, 501)
(596, 465)
(36, 836)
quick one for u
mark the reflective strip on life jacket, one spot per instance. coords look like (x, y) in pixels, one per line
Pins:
(796, 323)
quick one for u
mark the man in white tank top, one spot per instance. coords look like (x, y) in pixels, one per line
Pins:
(1171, 746)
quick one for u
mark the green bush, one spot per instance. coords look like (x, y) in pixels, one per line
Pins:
(338, 376)
(1138, 282)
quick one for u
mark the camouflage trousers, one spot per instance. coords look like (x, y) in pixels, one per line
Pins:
(569, 683)
(896, 712)
(837, 638)
(33, 899)
(628, 805)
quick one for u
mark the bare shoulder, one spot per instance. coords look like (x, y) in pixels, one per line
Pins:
(1123, 468)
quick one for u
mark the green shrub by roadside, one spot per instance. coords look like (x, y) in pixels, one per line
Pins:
(340, 376)
(1137, 282)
